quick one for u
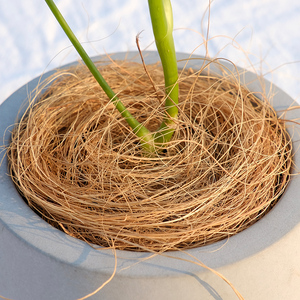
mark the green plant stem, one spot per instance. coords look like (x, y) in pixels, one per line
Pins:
(141, 131)
(162, 24)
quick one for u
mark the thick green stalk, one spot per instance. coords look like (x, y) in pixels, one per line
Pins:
(162, 24)
(141, 131)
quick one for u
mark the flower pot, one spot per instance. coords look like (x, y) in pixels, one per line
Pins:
(38, 261)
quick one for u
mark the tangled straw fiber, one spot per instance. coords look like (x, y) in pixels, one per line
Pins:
(78, 164)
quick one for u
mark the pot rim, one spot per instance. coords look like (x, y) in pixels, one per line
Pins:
(20, 220)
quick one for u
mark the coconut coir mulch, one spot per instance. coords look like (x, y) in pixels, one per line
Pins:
(78, 164)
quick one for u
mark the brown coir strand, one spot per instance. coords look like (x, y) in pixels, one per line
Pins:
(78, 164)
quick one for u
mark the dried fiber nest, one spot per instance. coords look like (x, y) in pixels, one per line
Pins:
(78, 164)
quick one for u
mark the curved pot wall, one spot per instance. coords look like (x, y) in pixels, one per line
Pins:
(38, 261)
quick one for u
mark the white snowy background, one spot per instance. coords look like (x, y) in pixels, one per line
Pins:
(267, 31)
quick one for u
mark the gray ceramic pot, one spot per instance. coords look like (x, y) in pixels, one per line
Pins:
(38, 261)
